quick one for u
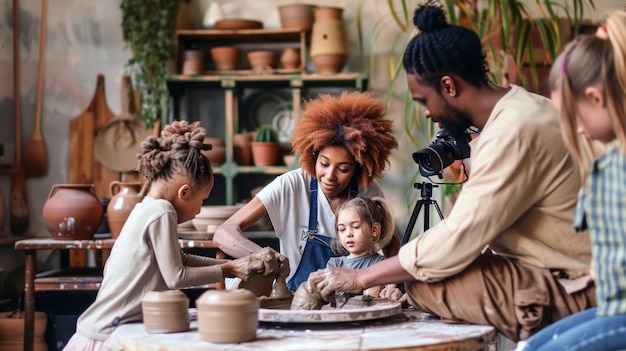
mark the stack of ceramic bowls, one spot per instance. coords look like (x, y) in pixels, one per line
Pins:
(165, 311)
(211, 217)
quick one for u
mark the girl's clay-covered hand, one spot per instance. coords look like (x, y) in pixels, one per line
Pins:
(329, 280)
(266, 262)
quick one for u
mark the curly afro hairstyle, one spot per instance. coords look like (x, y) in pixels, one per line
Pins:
(354, 120)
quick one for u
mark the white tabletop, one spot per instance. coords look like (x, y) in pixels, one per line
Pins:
(409, 330)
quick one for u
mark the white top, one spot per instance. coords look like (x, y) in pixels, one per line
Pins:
(286, 199)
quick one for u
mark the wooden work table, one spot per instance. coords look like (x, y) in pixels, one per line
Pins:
(409, 330)
(68, 278)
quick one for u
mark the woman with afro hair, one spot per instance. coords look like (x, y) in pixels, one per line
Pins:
(344, 143)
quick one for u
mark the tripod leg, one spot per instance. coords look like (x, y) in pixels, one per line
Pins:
(426, 218)
(438, 210)
(411, 225)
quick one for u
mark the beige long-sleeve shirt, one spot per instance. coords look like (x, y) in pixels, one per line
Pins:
(146, 257)
(519, 199)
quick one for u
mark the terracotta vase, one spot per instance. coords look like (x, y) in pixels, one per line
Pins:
(290, 58)
(124, 197)
(165, 311)
(329, 50)
(12, 332)
(264, 153)
(228, 316)
(72, 211)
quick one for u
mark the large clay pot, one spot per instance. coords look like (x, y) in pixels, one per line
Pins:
(12, 331)
(72, 211)
(328, 40)
(228, 316)
(124, 197)
(295, 15)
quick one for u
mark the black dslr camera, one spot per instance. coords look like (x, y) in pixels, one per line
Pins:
(445, 149)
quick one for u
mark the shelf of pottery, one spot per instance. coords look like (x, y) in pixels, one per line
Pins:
(238, 77)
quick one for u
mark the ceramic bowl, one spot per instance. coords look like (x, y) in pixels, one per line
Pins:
(237, 23)
(263, 58)
(217, 211)
(207, 224)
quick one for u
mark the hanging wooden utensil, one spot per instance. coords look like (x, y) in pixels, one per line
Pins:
(19, 207)
(35, 160)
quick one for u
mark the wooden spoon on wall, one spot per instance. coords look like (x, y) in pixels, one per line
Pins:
(19, 207)
(35, 160)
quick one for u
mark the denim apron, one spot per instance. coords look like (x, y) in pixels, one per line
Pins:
(317, 249)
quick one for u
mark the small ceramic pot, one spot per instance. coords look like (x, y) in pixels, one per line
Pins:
(228, 316)
(165, 311)
(263, 59)
(290, 58)
(296, 16)
(225, 58)
(194, 62)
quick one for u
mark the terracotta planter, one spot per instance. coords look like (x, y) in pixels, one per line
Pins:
(124, 197)
(228, 316)
(225, 58)
(72, 211)
(263, 59)
(264, 153)
(296, 16)
(12, 332)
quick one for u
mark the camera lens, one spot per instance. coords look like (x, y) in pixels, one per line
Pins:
(433, 159)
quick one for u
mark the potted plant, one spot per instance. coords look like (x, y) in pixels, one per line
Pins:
(265, 146)
(149, 28)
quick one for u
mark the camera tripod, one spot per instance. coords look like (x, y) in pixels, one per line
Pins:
(426, 191)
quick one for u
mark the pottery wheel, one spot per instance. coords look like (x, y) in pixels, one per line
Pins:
(355, 310)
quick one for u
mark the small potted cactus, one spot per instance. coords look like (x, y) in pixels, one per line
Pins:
(265, 146)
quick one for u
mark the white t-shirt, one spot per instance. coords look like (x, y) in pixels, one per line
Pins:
(286, 199)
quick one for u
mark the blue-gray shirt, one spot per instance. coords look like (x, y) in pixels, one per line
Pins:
(354, 263)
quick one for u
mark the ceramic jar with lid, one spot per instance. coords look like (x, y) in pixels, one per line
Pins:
(165, 311)
(228, 316)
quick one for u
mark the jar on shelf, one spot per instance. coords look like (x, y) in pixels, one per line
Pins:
(124, 197)
(72, 211)
(329, 50)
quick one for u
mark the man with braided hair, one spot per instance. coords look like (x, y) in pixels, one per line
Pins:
(344, 143)
(506, 255)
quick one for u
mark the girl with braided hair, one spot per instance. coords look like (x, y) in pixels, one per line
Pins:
(344, 143)
(506, 255)
(146, 255)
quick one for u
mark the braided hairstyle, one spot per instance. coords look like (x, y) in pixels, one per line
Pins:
(441, 49)
(354, 120)
(370, 211)
(177, 151)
